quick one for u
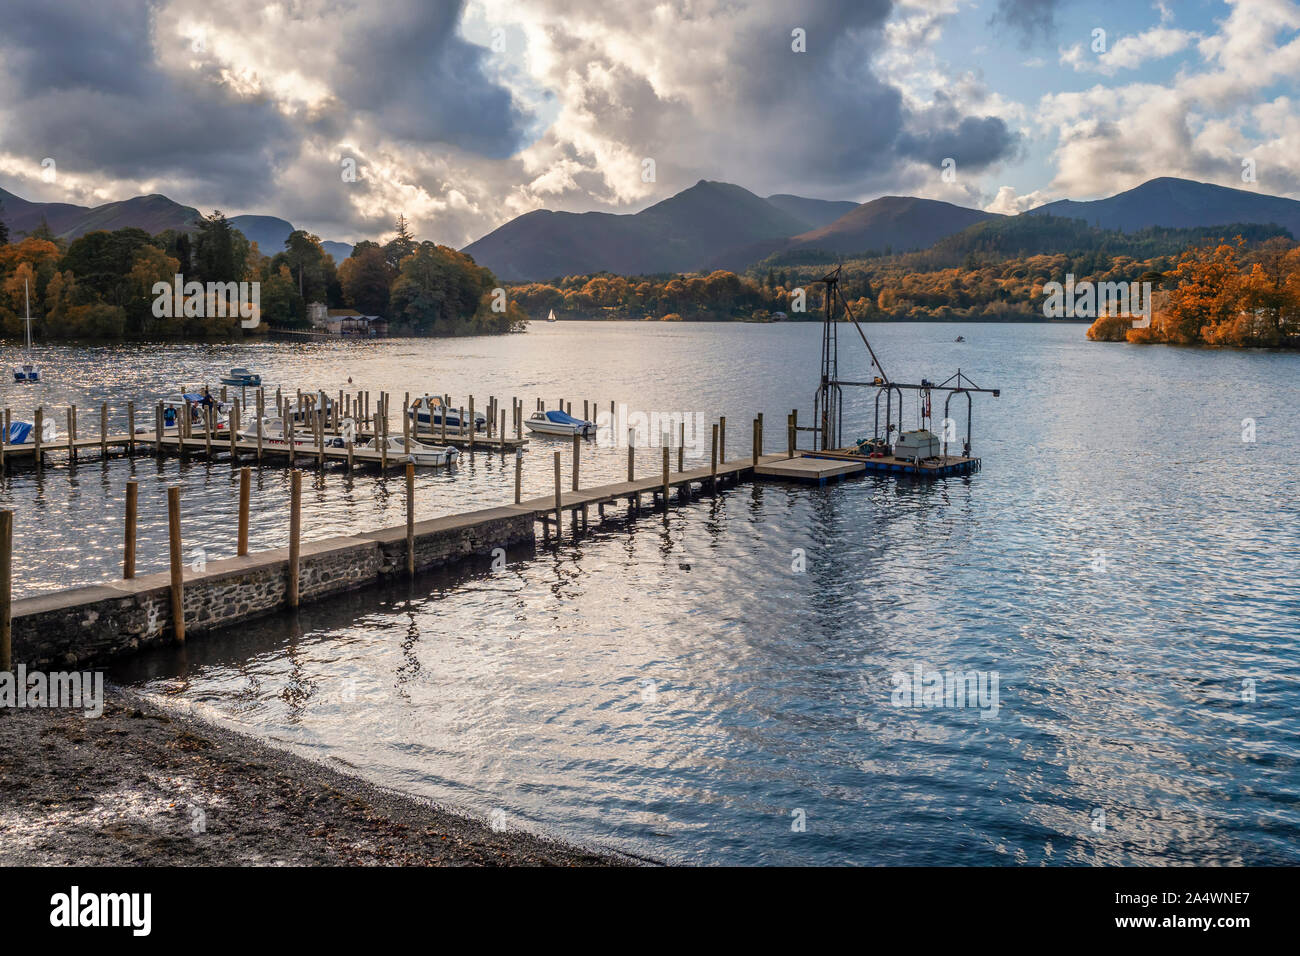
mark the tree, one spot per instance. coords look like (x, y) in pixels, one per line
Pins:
(437, 288)
(401, 245)
(101, 261)
(150, 265)
(366, 277)
(4, 229)
(311, 266)
(220, 250)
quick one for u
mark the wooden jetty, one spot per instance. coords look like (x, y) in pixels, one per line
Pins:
(820, 467)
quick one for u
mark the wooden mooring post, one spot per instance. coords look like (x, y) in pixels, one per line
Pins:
(519, 473)
(631, 454)
(295, 534)
(36, 439)
(559, 509)
(103, 431)
(245, 481)
(177, 562)
(577, 442)
(713, 465)
(410, 518)
(722, 440)
(72, 433)
(128, 536)
(666, 486)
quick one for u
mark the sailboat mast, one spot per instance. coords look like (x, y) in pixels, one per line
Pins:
(27, 305)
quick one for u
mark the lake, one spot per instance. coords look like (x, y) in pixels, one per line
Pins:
(1121, 580)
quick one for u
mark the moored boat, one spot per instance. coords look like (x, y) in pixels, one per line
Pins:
(27, 370)
(419, 453)
(556, 422)
(242, 377)
(24, 433)
(429, 411)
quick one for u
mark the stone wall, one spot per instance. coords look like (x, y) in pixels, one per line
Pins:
(91, 625)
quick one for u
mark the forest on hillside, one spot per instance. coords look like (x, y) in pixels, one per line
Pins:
(100, 285)
(994, 271)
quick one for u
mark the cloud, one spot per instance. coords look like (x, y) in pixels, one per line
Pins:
(1200, 125)
(1129, 52)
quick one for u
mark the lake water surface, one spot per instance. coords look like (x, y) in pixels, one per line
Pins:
(718, 686)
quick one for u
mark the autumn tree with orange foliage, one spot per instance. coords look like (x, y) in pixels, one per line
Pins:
(1222, 295)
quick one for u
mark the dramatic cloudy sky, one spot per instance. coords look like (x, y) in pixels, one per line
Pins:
(465, 113)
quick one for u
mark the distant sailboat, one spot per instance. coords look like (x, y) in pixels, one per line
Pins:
(551, 317)
(27, 371)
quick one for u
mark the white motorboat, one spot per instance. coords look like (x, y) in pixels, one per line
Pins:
(27, 370)
(428, 411)
(556, 422)
(420, 453)
(24, 433)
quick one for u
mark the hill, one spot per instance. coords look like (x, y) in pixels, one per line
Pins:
(682, 233)
(1178, 203)
(154, 214)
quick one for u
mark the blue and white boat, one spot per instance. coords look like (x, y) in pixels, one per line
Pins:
(27, 371)
(242, 378)
(556, 422)
(24, 433)
(428, 411)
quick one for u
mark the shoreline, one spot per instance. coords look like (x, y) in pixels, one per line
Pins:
(147, 785)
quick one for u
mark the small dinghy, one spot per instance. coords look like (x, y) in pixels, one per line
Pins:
(420, 453)
(428, 412)
(243, 378)
(24, 433)
(556, 422)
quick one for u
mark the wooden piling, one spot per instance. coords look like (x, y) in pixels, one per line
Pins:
(722, 440)
(6, 590)
(410, 518)
(713, 464)
(473, 424)
(559, 508)
(245, 481)
(519, 473)
(577, 441)
(758, 434)
(72, 433)
(631, 454)
(177, 562)
(754, 442)
(681, 448)
(103, 431)
(209, 423)
(36, 438)
(232, 427)
(666, 483)
(128, 537)
(295, 533)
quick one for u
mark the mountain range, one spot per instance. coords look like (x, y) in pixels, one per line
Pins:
(154, 213)
(713, 225)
